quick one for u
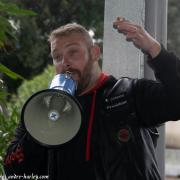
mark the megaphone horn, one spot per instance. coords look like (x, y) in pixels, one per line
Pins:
(53, 116)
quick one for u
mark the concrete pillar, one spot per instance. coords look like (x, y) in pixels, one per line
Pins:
(156, 25)
(121, 58)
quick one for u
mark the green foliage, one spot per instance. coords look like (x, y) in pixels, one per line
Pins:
(14, 10)
(3, 93)
(8, 10)
(10, 73)
(7, 126)
(30, 87)
(5, 28)
(9, 122)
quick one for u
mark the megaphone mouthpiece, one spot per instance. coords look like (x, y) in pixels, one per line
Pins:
(64, 82)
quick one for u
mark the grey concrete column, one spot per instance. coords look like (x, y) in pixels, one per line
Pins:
(121, 58)
(156, 25)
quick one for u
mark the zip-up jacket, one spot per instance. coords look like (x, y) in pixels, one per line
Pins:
(118, 134)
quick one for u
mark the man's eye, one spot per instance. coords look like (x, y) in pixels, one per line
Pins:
(72, 52)
(57, 58)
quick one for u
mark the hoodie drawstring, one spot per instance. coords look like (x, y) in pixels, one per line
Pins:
(91, 119)
(102, 79)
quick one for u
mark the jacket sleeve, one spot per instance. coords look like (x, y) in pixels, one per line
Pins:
(159, 101)
(24, 156)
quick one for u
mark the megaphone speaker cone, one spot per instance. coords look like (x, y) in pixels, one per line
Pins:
(52, 117)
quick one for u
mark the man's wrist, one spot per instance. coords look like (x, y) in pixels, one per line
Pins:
(154, 50)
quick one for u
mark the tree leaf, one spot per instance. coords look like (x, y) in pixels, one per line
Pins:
(13, 9)
(10, 73)
(5, 27)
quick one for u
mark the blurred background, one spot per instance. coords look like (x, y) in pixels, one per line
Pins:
(26, 64)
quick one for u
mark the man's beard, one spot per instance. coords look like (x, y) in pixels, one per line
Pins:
(84, 82)
(85, 77)
(82, 78)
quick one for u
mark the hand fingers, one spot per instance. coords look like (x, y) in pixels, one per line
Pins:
(125, 26)
(131, 36)
(118, 19)
(129, 29)
(136, 34)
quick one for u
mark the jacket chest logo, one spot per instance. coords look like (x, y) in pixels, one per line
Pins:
(116, 102)
(124, 134)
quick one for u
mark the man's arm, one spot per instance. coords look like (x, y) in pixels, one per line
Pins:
(155, 101)
(159, 101)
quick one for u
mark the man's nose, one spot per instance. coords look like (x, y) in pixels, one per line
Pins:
(66, 61)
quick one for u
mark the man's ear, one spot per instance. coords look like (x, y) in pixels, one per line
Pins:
(95, 52)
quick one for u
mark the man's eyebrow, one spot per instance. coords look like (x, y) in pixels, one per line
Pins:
(68, 45)
(72, 44)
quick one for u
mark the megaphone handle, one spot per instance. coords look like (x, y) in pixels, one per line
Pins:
(51, 165)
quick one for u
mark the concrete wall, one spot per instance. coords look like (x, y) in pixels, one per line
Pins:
(119, 57)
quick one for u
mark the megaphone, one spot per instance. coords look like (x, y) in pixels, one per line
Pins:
(53, 116)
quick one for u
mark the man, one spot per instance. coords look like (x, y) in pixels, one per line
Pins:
(117, 139)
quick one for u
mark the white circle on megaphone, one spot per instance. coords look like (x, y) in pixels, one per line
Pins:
(53, 115)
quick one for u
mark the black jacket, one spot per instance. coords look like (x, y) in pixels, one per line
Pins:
(118, 135)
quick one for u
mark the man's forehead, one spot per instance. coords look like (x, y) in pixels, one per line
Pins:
(63, 42)
(68, 38)
(56, 43)
(55, 48)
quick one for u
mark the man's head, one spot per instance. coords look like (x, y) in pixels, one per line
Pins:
(71, 28)
(73, 50)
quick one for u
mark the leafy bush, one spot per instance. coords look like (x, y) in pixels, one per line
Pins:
(9, 123)
(7, 126)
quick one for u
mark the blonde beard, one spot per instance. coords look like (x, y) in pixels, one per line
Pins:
(85, 80)
(89, 79)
